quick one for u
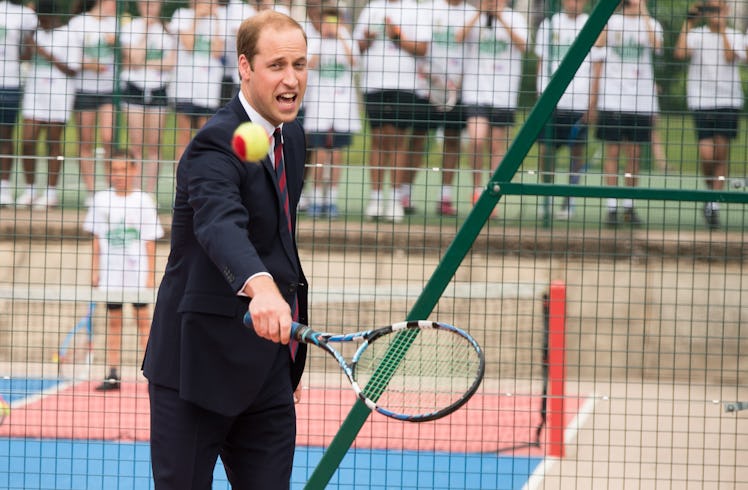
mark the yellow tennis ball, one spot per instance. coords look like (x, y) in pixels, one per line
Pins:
(250, 142)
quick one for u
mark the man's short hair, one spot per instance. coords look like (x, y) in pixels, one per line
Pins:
(250, 29)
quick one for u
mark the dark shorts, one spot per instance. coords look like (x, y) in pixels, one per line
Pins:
(90, 101)
(455, 118)
(618, 127)
(564, 128)
(404, 110)
(118, 306)
(329, 140)
(10, 105)
(497, 117)
(135, 95)
(716, 122)
(190, 109)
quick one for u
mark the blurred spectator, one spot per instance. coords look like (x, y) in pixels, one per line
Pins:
(444, 68)
(199, 68)
(94, 109)
(569, 122)
(16, 23)
(55, 54)
(332, 113)
(273, 5)
(627, 97)
(497, 38)
(390, 38)
(714, 90)
(148, 57)
(232, 15)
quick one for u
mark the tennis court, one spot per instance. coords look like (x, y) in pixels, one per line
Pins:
(615, 355)
(65, 435)
(623, 428)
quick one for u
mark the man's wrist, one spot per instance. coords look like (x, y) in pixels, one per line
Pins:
(248, 289)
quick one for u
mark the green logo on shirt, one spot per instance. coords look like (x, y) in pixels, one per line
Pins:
(493, 47)
(120, 236)
(202, 45)
(154, 54)
(100, 51)
(332, 71)
(629, 51)
(444, 36)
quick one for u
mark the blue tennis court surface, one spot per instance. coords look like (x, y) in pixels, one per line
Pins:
(33, 458)
(74, 464)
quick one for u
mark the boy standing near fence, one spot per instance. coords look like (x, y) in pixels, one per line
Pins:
(125, 227)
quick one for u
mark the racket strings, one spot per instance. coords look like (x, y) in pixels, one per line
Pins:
(418, 371)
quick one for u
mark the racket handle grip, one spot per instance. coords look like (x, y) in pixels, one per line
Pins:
(297, 329)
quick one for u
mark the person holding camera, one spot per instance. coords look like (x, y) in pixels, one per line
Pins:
(714, 91)
(627, 100)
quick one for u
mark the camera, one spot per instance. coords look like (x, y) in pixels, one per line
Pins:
(700, 9)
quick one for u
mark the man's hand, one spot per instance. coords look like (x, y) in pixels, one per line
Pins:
(271, 315)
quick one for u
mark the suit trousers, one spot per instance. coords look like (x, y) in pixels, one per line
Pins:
(256, 446)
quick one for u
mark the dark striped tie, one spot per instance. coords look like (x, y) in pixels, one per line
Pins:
(280, 170)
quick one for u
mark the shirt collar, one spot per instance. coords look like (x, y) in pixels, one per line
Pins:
(255, 117)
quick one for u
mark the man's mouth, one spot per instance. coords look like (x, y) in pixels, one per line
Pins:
(286, 98)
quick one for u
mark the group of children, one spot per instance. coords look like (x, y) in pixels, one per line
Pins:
(451, 66)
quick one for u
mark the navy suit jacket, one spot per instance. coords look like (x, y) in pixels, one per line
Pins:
(228, 224)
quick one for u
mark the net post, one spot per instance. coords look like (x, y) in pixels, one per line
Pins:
(556, 369)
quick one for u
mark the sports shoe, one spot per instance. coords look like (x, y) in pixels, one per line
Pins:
(27, 197)
(630, 217)
(567, 210)
(48, 199)
(711, 216)
(332, 211)
(109, 384)
(612, 218)
(316, 210)
(408, 207)
(303, 204)
(6, 197)
(394, 211)
(374, 209)
(445, 208)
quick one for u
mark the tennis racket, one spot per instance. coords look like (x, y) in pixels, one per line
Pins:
(76, 348)
(412, 371)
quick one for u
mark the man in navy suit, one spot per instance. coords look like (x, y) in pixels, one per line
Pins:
(216, 387)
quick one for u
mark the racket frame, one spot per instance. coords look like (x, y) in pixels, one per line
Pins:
(305, 334)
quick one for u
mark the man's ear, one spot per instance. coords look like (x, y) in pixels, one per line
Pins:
(245, 67)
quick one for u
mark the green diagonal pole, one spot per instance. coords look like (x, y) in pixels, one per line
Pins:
(474, 222)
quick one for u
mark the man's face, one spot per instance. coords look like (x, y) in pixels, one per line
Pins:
(276, 81)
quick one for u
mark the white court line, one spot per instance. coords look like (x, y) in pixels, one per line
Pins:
(570, 434)
(52, 390)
